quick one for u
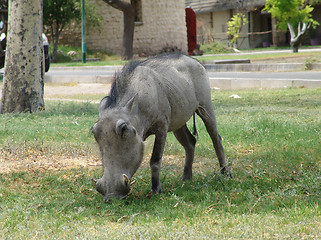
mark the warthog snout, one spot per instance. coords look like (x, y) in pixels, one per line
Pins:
(119, 189)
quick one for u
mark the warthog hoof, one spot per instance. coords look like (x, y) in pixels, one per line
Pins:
(226, 172)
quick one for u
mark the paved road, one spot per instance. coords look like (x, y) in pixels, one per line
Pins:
(223, 80)
(110, 72)
(102, 74)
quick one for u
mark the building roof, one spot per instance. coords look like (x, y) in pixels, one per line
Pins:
(204, 6)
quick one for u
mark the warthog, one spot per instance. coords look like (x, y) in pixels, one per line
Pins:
(155, 96)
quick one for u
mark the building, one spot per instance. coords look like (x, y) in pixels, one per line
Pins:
(160, 26)
(260, 31)
(212, 18)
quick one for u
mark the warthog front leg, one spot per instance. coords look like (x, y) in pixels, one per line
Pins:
(188, 141)
(156, 160)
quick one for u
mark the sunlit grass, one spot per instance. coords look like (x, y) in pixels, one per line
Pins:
(272, 140)
(277, 57)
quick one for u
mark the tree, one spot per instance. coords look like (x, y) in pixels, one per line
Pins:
(23, 80)
(57, 14)
(129, 25)
(234, 27)
(294, 15)
(3, 29)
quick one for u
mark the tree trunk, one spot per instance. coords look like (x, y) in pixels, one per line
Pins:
(275, 42)
(296, 39)
(55, 38)
(23, 85)
(129, 26)
(128, 35)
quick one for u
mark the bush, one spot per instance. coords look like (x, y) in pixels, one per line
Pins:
(70, 53)
(62, 58)
(309, 62)
(215, 48)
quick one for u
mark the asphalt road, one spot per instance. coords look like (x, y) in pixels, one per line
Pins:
(110, 71)
(224, 80)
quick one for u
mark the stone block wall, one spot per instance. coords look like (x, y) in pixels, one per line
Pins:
(109, 38)
(163, 26)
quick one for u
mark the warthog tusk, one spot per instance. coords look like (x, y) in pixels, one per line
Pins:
(127, 181)
(94, 181)
(132, 182)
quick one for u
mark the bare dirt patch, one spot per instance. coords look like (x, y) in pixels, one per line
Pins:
(52, 90)
(62, 91)
(39, 161)
(31, 160)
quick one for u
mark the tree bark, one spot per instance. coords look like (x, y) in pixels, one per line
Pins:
(296, 39)
(23, 85)
(129, 26)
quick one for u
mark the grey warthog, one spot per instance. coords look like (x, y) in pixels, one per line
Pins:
(155, 96)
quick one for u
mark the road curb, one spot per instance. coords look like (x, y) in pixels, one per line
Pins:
(276, 67)
(235, 84)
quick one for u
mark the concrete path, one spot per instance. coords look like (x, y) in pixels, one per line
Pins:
(264, 80)
(223, 76)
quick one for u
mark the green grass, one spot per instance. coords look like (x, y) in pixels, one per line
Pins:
(272, 140)
(105, 58)
(215, 48)
(63, 128)
(279, 57)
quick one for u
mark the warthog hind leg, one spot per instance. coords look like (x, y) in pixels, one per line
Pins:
(208, 116)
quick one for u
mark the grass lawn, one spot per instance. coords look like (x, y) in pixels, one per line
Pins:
(215, 52)
(283, 57)
(272, 140)
(275, 57)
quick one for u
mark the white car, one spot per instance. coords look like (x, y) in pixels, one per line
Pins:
(45, 49)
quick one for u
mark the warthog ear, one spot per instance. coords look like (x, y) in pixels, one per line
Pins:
(123, 129)
(104, 103)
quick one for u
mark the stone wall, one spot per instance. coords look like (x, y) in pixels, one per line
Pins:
(109, 38)
(162, 26)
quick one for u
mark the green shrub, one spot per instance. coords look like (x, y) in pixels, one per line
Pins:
(215, 48)
(308, 62)
(69, 53)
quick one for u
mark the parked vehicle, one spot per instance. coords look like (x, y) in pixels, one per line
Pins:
(45, 43)
(2, 48)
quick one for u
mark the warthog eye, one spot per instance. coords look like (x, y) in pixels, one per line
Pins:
(124, 129)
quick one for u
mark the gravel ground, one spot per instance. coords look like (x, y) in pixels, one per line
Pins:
(52, 90)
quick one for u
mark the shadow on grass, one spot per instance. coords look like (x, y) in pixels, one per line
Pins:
(71, 193)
